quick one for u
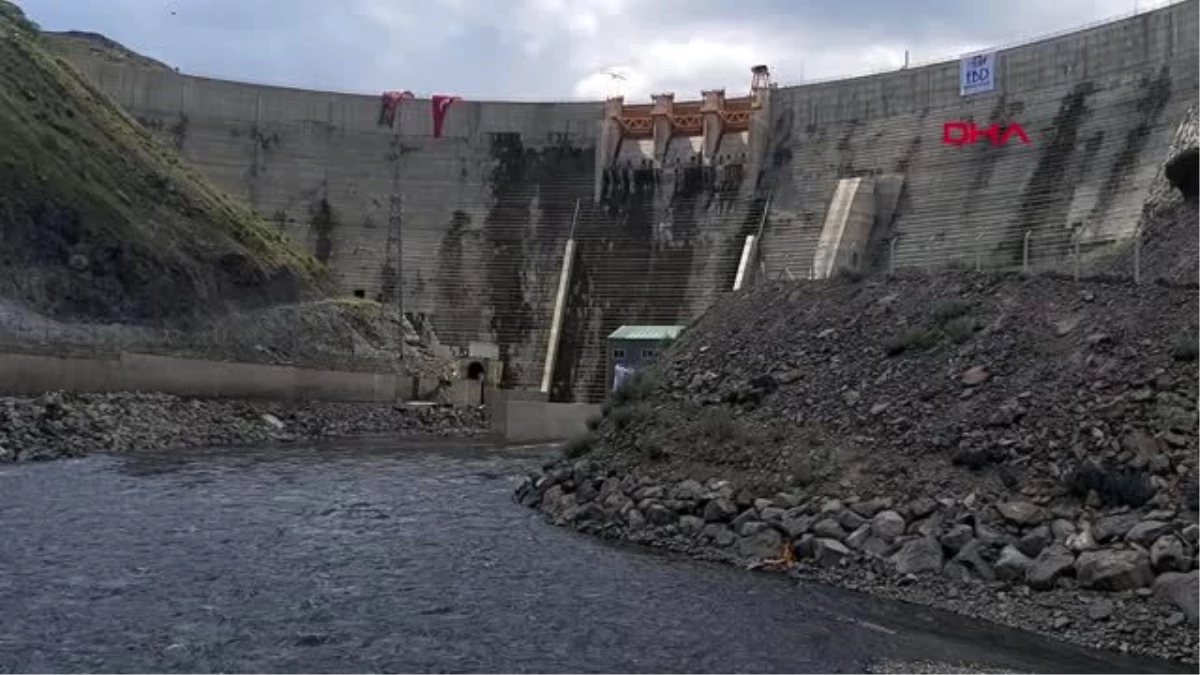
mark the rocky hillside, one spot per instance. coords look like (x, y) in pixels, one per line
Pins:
(1023, 449)
(99, 219)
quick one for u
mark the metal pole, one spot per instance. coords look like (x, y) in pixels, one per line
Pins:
(1025, 252)
(574, 220)
(892, 255)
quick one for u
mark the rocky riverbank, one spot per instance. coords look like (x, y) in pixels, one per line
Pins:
(1019, 450)
(59, 425)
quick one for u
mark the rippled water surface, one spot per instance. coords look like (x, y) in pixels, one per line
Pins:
(405, 556)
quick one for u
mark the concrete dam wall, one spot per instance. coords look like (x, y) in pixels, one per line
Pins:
(1099, 106)
(485, 211)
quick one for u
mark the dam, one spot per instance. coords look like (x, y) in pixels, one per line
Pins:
(467, 217)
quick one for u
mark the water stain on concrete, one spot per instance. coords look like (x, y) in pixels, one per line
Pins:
(1045, 198)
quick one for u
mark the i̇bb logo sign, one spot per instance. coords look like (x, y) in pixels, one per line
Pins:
(966, 133)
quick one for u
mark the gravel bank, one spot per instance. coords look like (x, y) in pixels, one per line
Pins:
(71, 425)
(1019, 450)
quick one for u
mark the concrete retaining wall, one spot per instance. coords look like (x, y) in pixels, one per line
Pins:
(32, 374)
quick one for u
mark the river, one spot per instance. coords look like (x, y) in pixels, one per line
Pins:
(410, 556)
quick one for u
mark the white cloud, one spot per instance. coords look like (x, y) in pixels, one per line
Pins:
(551, 48)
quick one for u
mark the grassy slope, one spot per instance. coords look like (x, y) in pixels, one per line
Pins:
(83, 184)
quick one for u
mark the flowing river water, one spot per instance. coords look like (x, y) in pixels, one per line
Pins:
(409, 556)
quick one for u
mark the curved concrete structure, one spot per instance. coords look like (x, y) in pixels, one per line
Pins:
(486, 210)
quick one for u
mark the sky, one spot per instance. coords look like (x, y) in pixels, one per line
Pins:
(559, 49)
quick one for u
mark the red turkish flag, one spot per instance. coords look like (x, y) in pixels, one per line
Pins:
(441, 105)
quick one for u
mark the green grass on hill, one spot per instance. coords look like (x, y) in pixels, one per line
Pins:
(98, 217)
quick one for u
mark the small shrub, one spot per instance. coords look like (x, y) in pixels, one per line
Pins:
(960, 329)
(910, 339)
(638, 387)
(720, 426)
(950, 308)
(1116, 486)
(578, 447)
(626, 416)
(1186, 347)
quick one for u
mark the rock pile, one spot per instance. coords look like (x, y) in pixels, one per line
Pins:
(70, 425)
(1022, 450)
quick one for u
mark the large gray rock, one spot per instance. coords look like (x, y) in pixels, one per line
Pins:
(1035, 540)
(657, 514)
(719, 534)
(829, 529)
(957, 537)
(1053, 562)
(829, 552)
(887, 525)
(857, 538)
(1110, 528)
(970, 558)
(765, 544)
(688, 490)
(720, 510)
(850, 521)
(1145, 532)
(1113, 570)
(868, 508)
(1022, 513)
(1183, 590)
(690, 524)
(919, 555)
(796, 526)
(1168, 554)
(1012, 565)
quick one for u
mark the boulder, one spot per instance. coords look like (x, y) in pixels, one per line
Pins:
(971, 559)
(1114, 570)
(1100, 610)
(635, 519)
(874, 546)
(773, 515)
(918, 555)
(857, 538)
(887, 525)
(752, 527)
(1147, 531)
(1053, 562)
(921, 507)
(763, 544)
(720, 510)
(719, 534)
(796, 526)
(850, 521)
(657, 514)
(868, 508)
(1035, 540)
(829, 529)
(688, 490)
(1111, 528)
(1182, 590)
(1022, 513)
(957, 537)
(829, 552)
(1168, 554)
(690, 524)
(1012, 565)
(1061, 529)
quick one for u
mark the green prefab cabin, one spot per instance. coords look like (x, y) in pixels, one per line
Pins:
(631, 347)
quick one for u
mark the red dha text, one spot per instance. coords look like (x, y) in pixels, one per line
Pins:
(966, 133)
